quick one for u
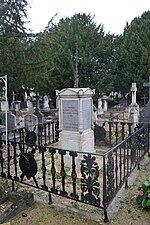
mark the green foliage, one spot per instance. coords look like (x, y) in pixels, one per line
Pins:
(132, 59)
(56, 48)
(46, 62)
(12, 41)
(143, 196)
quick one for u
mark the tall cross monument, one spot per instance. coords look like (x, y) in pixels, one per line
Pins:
(133, 107)
(76, 77)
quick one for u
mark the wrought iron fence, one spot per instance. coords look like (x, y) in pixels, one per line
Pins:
(41, 134)
(86, 177)
(113, 132)
(120, 161)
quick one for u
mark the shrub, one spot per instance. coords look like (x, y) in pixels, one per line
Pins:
(143, 196)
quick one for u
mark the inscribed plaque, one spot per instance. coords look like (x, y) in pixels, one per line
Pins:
(70, 115)
(86, 114)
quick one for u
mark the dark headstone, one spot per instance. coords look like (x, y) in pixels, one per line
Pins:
(145, 114)
(99, 133)
(39, 115)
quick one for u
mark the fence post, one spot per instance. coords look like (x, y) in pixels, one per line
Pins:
(148, 139)
(105, 203)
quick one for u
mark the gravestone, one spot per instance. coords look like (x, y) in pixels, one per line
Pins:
(11, 121)
(37, 112)
(15, 105)
(145, 113)
(46, 109)
(147, 85)
(105, 103)
(30, 106)
(12, 103)
(144, 98)
(30, 121)
(133, 107)
(100, 108)
(75, 119)
(46, 103)
(3, 105)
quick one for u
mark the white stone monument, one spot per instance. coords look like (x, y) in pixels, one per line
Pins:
(134, 107)
(46, 103)
(30, 122)
(105, 103)
(100, 108)
(75, 119)
(4, 105)
(30, 105)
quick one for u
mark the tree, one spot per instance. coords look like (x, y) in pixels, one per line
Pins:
(132, 58)
(12, 40)
(57, 46)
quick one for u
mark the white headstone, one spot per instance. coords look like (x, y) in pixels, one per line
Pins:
(100, 108)
(105, 103)
(4, 105)
(46, 103)
(30, 106)
(30, 121)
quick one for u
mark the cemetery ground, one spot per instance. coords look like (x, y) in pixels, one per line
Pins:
(123, 210)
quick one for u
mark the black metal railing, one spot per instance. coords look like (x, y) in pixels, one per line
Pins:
(46, 133)
(114, 131)
(120, 161)
(86, 177)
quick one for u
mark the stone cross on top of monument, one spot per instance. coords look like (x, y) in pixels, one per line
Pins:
(133, 89)
(147, 85)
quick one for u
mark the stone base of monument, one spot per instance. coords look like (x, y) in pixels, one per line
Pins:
(133, 115)
(74, 141)
(79, 142)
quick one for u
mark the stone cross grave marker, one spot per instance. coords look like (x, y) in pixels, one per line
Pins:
(133, 107)
(133, 90)
(144, 100)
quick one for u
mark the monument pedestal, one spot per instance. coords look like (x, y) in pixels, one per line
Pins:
(134, 113)
(77, 142)
(133, 108)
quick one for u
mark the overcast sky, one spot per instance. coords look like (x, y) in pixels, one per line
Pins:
(113, 14)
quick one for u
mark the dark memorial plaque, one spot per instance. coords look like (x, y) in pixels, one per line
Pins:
(86, 114)
(70, 115)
